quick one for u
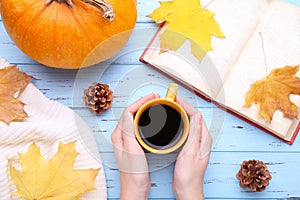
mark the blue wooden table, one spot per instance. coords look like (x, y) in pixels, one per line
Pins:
(235, 140)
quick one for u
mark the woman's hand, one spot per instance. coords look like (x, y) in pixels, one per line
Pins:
(133, 166)
(193, 158)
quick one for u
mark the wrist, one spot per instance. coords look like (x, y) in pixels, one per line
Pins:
(198, 196)
(190, 194)
(134, 193)
(134, 187)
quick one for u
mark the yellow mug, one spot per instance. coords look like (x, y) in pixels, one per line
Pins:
(162, 125)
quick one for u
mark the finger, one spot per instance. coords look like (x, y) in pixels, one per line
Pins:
(127, 128)
(129, 154)
(116, 138)
(136, 105)
(199, 139)
(192, 144)
(202, 141)
(204, 129)
(205, 146)
(189, 109)
(205, 141)
(131, 163)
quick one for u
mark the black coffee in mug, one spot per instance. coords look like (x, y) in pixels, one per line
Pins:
(160, 126)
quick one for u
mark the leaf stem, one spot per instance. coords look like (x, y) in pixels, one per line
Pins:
(208, 4)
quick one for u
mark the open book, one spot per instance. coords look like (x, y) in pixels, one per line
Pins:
(226, 73)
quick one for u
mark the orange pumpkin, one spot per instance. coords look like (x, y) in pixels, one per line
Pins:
(69, 33)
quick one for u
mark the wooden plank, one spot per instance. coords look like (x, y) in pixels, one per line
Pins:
(145, 7)
(220, 181)
(293, 2)
(246, 139)
(103, 126)
(67, 86)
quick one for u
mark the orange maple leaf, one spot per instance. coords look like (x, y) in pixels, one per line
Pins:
(273, 92)
(11, 81)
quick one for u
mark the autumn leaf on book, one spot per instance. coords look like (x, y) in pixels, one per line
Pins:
(11, 81)
(187, 20)
(55, 179)
(273, 92)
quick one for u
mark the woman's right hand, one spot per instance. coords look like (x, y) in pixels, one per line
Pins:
(193, 158)
(132, 162)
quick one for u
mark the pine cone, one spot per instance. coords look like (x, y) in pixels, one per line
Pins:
(98, 97)
(254, 175)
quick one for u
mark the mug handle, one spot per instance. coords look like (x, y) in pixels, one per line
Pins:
(172, 91)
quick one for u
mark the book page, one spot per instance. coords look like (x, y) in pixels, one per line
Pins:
(237, 20)
(280, 28)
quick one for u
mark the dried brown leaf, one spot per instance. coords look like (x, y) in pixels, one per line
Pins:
(273, 92)
(12, 80)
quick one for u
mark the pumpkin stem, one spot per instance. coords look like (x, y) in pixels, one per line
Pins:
(68, 2)
(105, 7)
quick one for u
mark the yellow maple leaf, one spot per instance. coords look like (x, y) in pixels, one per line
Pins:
(187, 20)
(11, 81)
(273, 92)
(55, 179)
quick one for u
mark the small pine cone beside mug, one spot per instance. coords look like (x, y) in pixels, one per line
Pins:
(98, 97)
(254, 175)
